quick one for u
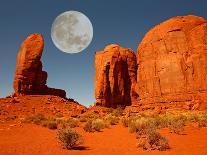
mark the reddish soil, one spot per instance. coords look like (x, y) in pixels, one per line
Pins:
(31, 139)
(48, 105)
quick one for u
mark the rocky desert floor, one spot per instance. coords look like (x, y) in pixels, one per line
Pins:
(29, 125)
(30, 139)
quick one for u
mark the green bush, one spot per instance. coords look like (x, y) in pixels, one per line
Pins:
(69, 138)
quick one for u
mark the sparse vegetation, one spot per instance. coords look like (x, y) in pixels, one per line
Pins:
(69, 138)
(88, 126)
(36, 119)
(153, 140)
(51, 124)
(111, 120)
(88, 116)
(94, 125)
(98, 124)
(72, 122)
(115, 112)
(139, 125)
(177, 126)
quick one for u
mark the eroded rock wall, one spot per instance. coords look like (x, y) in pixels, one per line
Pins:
(29, 76)
(172, 62)
(115, 76)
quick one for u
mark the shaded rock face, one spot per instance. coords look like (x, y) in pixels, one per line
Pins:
(172, 61)
(29, 77)
(115, 76)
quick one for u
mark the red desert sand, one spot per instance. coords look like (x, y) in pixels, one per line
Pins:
(21, 139)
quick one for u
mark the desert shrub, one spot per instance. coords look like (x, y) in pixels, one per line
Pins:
(192, 116)
(94, 125)
(68, 123)
(117, 112)
(69, 138)
(73, 122)
(36, 119)
(138, 125)
(202, 121)
(177, 126)
(88, 126)
(165, 120)
(51, 124)
(98, 124)
(111, 120)
(89, 116)
(128, 120)
(59, 115)
(125, 121)
(153, 141)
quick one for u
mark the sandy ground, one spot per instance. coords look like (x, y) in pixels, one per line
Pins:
(28, 139)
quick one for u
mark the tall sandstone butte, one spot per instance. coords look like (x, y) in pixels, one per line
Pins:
(172, 63)
(29, 77)
(115, 76)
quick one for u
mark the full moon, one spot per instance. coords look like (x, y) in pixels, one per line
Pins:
(72, 32)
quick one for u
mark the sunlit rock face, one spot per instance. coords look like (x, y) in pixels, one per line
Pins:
(29, 77)
(172, 63)
(115, 76)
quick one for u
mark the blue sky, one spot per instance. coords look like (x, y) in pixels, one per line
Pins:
(114, 21)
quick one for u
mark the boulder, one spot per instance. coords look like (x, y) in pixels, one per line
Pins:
(29, 76)
(172, 62)
(115, 76)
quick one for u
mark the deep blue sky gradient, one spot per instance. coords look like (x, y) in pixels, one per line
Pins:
(115, 21)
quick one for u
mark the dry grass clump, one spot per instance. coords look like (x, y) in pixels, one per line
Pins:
(115, 112)
(153, 140)
(72, 122)
(128, 120)
(111, 120)
(139, 125)
(88, 116)
(175, 123)
(98, 124)
(177, 126)
(68, 123)
(202, 120)
(88, 126)
(40, 119)
(94, 125)
(35, 119)
(51, 124)
(69, 138)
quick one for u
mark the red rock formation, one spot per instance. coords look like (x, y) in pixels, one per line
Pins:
(172, 63)
(29, 77)
(115, 76)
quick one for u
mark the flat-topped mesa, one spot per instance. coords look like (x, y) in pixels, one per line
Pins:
(172, 60)
(29, 77)
(115, 76)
